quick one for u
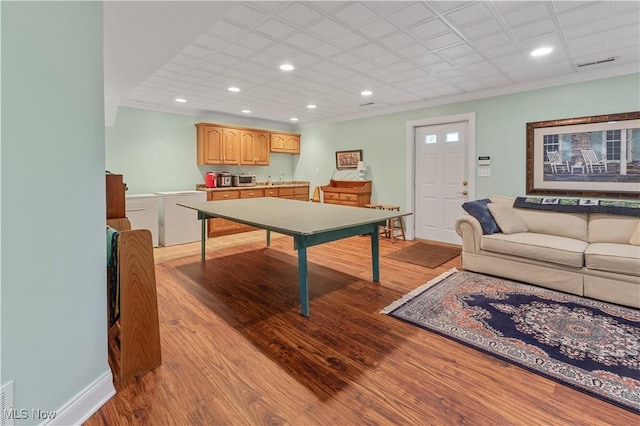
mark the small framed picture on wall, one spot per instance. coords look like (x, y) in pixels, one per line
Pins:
(348, 159)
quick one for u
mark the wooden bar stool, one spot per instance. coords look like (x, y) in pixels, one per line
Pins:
(394, 225)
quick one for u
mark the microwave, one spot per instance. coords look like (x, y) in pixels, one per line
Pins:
(243, 180)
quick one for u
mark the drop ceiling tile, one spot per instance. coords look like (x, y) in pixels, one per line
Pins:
(269, 6)
(529, 13)
(380, 73)
(581, 15)
(327, 28)
(349, 41)
(369, 51)
(467, 60)
(439, 67)
(304, 59)
(238, 51)
(281, 51)
(482, 28)
(190, 80)
(155, 80)
(299, 14)
(386, 59)
(302, 40)
(562, 6)
(444, 40)
(413, 14)
(185, 60)
(585, 29)
(469, 86)
(275, 28)
(626, 18)
(428, 59)
(355, 14)
(446, 91)
(469, 14)
(325, 50)
(500, 51)
(377, 28)
(397, 41)
(413, 51)
(429, 29)
(402, 67)
(254, 41)
(363, 66)
(456, 51)
(166, 74)
(493, 40)
(534, 29)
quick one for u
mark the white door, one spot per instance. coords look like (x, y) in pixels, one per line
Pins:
(440, 180)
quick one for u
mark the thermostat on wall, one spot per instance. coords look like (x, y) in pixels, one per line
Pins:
(484, 160)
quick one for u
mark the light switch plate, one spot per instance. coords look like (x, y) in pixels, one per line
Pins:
(484, 172)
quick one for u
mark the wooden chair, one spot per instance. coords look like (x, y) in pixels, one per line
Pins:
(591, 160)
(138, 324)
(555, 161)
(394, 225)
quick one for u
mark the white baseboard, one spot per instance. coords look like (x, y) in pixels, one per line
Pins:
(78, 409)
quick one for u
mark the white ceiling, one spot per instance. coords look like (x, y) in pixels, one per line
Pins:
(408, 53)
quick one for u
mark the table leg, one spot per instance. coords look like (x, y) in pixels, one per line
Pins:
(203, 239)
(268, 238)
(303, 280)
(375, 253)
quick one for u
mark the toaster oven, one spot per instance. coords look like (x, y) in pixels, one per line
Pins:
(243, 180)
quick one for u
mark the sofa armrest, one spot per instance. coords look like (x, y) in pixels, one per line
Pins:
(470, 230)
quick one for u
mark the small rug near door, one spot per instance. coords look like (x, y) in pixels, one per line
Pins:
(589, 345)
(425, 254)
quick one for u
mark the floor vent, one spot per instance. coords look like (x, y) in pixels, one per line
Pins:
(6, 405)
(601, 61)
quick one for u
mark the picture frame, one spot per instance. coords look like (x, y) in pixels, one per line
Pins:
(348, 159)
(596, 156)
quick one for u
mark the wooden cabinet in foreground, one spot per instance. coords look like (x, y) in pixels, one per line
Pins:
(348, 192)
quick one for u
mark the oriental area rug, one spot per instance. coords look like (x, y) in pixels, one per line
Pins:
(425, 254)
(590, 345)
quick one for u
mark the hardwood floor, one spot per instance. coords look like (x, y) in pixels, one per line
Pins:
(236, 351)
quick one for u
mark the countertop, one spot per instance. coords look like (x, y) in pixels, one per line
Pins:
(259, 185)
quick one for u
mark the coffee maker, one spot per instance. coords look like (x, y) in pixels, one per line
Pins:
(211, 180)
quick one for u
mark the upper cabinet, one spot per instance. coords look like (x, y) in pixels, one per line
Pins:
(218, 144)
(254, 148)
(284, 142)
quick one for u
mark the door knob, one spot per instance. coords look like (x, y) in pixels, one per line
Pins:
(464, 183)
(465, 193)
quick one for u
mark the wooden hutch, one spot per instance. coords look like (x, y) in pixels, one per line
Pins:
(347, 192)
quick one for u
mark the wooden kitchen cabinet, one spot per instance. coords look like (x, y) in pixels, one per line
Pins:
(355, 193)
(254, 148)
(217, 145)
(216, 227)
(115, 197)
(285, 142)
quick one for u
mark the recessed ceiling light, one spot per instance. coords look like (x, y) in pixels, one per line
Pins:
(366, 93)
(234, 89)
(541, 51)
(246, 111)
(286, 67)
(294, 119)
(180, 100)
(311, 106)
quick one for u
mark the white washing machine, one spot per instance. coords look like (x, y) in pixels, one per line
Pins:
(177, 224)
(142, 212)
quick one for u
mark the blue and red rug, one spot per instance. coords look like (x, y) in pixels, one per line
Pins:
(589, 345)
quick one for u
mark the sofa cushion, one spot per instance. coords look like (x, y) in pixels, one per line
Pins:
(480, 211)
(611, 228)
(613, 257)
(541, 247)
(506, 218)
(635, 237)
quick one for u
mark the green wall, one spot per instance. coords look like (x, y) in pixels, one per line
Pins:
(53, 307)
(500, 133)
(156, 151)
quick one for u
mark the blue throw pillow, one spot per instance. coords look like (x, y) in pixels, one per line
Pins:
(480, 211)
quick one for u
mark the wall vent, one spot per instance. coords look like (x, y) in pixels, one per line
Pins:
(367, 104)
(600, 61)
(6, 405)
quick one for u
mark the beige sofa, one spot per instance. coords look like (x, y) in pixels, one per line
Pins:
(584, 254)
